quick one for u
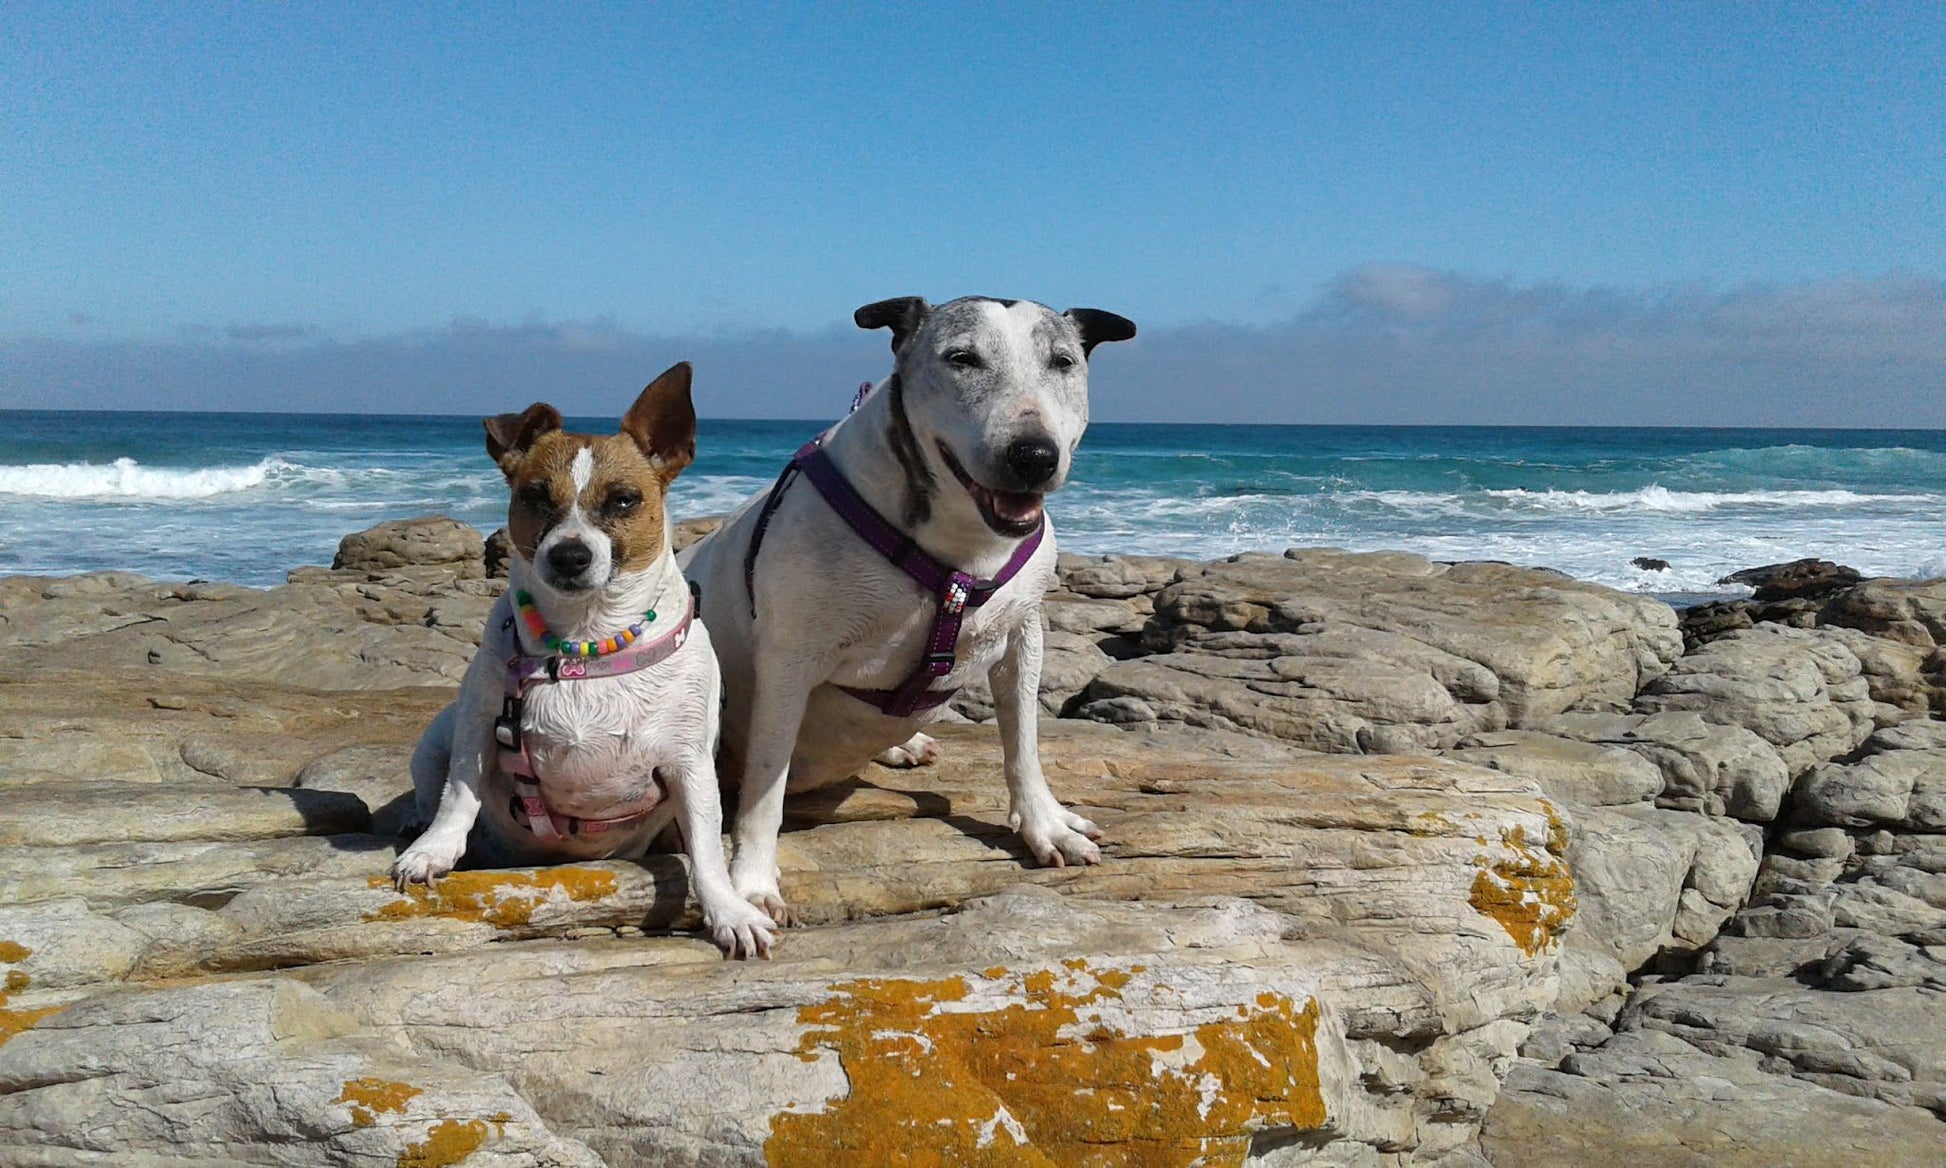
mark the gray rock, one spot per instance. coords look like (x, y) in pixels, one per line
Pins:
(1889, 786)
(1909, 611)
(1572, 771)
(430, 540)
(1650, 881)
(1551, 643)
(1070, 613)
(1809, 577)
(1896, 674)
(1117, 577)
(498, 554)
(1380, 652)
(1651, 1099)
(1328, 704)
(1713, 769)
(1800, 690)
(1885, 1044)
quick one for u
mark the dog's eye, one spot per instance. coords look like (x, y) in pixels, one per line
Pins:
(622, 502)
(1062, 361)
(536, 496)
(965, 359)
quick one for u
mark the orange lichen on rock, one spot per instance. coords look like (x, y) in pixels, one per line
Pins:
(447, 1142)
(1530, 892)
(505, 900)
(935, 1081)
(12, 1022)
(368, 1097)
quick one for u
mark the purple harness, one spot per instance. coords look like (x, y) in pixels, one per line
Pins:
(528, 806)
(955, 591)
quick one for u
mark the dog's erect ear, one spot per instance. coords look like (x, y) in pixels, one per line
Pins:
(1097, 326)
(509, 436)
(902, 314)
(663, 421)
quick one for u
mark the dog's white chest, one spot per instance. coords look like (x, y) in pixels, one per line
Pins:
(885, 651)
(595, 744)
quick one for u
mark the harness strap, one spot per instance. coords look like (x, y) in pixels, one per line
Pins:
(528, 806)
(955, 591)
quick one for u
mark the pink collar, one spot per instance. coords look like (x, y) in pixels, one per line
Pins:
(524, 670)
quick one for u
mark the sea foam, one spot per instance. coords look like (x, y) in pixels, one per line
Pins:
(127, 479)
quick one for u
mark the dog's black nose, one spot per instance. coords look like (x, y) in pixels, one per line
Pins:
(570, 558)
(1033, 461)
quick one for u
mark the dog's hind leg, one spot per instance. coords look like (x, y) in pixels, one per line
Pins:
(918, 750)
(430, 760)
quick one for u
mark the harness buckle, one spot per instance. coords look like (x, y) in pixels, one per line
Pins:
(506, 728)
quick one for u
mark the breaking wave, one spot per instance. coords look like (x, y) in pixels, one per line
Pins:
(127, 479)
(1655, 497)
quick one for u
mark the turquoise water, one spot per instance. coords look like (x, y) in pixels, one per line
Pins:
(246, 497)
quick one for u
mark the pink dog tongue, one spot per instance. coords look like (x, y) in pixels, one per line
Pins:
(1015, 506)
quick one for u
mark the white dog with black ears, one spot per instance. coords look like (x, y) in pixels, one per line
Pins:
(589, 718)
(900, 555)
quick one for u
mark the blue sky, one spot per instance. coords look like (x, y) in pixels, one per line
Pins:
(197, 191)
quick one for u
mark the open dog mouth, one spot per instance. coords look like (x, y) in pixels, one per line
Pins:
(1012, 513)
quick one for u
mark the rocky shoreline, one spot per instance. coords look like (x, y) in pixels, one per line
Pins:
(1408, 862)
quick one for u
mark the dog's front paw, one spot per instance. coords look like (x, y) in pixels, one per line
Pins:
(762, 894)
(422, 863)
(918, 750)
(1058, 837)
(740, 929)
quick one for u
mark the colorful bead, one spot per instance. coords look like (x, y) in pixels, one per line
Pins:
(531, 616)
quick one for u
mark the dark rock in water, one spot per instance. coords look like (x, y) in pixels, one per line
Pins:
(499, 554)
(1704, 623)
(1808, 578)
(1650, 564)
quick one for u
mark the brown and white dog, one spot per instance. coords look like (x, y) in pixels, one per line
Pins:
(547, 755)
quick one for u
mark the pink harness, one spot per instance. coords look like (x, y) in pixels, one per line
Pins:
(528, 806)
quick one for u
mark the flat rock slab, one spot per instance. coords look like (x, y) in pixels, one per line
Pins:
(1651, 1099)
(1269, 932)
(1029, 1028)
(1381, 652)
(328, 630)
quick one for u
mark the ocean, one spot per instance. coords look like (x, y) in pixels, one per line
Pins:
(246, 497)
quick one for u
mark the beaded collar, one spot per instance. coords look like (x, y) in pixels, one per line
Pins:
(604, 647)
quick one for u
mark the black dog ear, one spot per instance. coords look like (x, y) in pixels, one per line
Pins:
(902, 314)
(1097, 326)
(508, 436)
